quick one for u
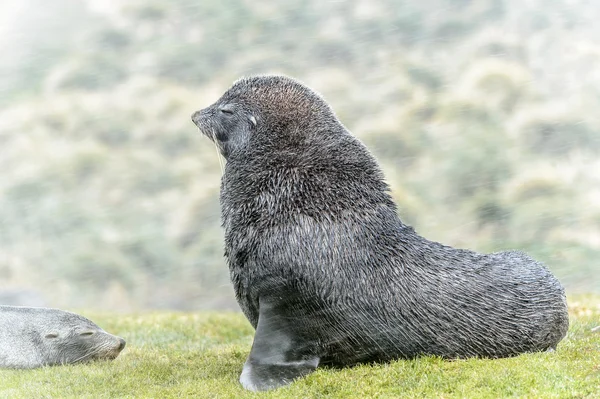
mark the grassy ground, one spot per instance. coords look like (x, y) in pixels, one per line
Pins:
(200, 355)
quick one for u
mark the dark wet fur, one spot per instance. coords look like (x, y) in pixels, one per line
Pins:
(311, 230)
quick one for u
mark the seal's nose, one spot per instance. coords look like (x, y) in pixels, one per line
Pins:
(121, 344)
(196, 116)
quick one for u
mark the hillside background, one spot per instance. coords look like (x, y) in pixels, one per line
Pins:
(485, 116)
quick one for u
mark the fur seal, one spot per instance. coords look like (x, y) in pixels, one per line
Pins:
(325, 270)
(35, 337)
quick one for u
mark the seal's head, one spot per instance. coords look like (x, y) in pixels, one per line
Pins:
(65, 338)
(288, 154)
(269, 109)
(35, 337)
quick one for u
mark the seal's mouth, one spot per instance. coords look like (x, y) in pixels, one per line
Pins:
(110, 351)
(199, 118)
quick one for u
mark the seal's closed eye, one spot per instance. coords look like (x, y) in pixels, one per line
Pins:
(226, 109)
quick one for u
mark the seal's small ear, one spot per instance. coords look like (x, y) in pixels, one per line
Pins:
(51, 335)
(252, 120)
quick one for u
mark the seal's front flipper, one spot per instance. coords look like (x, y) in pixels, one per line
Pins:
(279, 353)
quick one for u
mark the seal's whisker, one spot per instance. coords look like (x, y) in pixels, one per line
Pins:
(220, 158)
(95, 350)
(218, 149)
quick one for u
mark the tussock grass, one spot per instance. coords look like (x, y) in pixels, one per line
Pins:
(200, 355)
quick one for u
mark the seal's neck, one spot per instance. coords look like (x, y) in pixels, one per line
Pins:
(321, 180)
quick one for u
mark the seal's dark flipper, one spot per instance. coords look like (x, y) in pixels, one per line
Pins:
(279, 353)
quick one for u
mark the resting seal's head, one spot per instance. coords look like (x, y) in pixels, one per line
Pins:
(272, 110)
(66, 337)
(33, 337)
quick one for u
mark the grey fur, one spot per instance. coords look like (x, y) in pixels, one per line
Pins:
(325, 270)
(35, 337)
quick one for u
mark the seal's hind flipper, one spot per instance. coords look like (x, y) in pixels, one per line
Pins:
(279, 353)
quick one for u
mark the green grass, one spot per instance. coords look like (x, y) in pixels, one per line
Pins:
(200, 355)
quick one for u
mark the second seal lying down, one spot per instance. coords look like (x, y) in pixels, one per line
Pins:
(325, 270)
(36, 337)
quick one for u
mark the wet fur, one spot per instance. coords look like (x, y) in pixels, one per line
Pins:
(312, 235)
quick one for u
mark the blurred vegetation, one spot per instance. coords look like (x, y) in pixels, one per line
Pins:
(483, 114)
